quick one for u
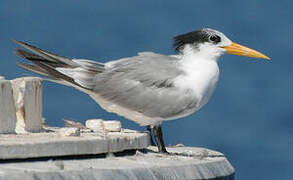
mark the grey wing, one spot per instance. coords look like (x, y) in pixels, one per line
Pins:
(144, 84)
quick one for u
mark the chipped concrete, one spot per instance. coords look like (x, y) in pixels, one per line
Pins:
(52, 143)
(27, 93)
(69, 123)
(112, 126)
(183, 163)
(97, 125)
(69, 131)
(100, 125)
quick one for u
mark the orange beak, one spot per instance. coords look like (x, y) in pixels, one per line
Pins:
(240, 50)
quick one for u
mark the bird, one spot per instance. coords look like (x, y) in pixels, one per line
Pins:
(148, 88)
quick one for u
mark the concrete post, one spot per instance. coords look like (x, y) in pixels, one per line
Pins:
(7, 108)
(27, 93)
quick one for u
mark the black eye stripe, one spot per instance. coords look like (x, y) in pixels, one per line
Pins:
(196, 37)
(215, 38)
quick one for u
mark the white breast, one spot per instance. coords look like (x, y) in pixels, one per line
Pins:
(201, 77)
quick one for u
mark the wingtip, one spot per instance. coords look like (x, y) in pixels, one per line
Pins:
(20, 64)
(19, 53)
(18, 42)
(23, 65)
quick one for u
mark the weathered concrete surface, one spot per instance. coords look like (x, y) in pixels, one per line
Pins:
(189, 163)
(99, 125)
(7, 108)
(69, 123)
(72, 131)
(112, 126)
(27, 93)
(53, 143)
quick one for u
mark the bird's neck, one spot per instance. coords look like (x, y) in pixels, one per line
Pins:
(195, 60)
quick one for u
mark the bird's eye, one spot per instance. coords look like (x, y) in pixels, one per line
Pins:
(215, 38)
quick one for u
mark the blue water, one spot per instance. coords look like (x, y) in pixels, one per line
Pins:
(250, 116)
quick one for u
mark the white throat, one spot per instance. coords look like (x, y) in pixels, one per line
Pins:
(205, 51)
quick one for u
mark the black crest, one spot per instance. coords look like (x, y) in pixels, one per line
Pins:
(194, 37)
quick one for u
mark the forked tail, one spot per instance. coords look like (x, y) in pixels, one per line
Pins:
(76, 72)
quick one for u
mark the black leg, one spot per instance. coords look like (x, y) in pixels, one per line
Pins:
(159, 139)
(151, 135)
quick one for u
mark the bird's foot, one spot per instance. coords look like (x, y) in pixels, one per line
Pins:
(164, 152)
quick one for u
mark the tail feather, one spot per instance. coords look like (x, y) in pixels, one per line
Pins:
(35, 69)
(79, 73)
(35, 58)
(28, 55)
(47, 55)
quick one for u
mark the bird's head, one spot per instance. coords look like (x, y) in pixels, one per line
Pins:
(210, 44)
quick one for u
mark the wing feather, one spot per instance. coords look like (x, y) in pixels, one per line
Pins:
(144, 84)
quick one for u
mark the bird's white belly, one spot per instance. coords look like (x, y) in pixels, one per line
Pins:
(208, 91)
(138, 117)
